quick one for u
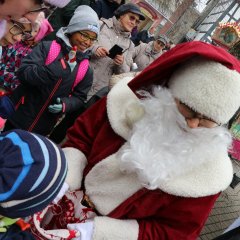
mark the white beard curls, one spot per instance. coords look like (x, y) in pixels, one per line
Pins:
(162, 147)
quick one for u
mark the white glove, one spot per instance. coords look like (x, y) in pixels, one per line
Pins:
(62, 192)
(85, 229)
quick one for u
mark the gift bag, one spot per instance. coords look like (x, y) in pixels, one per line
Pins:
(235, 131)
(51, 223)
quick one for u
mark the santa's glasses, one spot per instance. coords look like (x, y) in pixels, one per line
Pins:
(190, 114)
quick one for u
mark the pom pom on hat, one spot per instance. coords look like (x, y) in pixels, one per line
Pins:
(208, 87)
(58, 3)
(32, 172)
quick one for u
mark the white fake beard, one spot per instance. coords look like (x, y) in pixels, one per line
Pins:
(162, 146)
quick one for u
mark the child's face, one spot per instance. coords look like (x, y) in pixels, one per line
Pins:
(83, 39)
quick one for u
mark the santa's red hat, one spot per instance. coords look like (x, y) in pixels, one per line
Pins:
(203, 76)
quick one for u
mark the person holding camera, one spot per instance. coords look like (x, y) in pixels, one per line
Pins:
(114, 31)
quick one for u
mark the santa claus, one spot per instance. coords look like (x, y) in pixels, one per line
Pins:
(154, 151)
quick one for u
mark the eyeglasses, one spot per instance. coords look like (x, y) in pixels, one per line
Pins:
(132, 18)
(159, 42)
(17, 29)
(85, 37)
(189, 114)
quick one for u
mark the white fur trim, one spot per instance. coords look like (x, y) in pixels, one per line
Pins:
(117, 103)
(76, 163)
(208, 87)
(116, 78)
(108, 187)
(114, 229)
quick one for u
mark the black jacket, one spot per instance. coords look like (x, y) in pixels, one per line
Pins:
(41, 85)
(142, 37)
(104, 8)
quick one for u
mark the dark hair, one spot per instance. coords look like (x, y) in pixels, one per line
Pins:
(2, 1)
(38, 1)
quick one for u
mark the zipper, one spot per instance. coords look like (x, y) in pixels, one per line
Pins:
(45, 105)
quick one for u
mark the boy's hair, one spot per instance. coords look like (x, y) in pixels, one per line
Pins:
(2, 1)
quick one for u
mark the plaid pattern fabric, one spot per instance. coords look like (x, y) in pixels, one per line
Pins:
(10, 61)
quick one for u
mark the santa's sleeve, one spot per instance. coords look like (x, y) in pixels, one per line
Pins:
(86, 127)
(172, 218)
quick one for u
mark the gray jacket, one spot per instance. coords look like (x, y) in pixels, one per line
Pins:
(104, 67)
(144, 55)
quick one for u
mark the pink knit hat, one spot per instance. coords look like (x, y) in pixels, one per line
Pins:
(45, 29)
(58, 3)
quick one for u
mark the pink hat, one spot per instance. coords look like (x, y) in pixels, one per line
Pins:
(3, 24)
(45, 29)
(58, 3)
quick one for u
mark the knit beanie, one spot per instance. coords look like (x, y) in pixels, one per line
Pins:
(58, 3)
(84, 18)
(32, 172)
(45, 29)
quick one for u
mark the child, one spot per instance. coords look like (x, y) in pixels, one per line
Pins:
(46, 90)
(32, 172)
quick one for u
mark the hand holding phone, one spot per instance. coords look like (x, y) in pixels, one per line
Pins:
(115, 50)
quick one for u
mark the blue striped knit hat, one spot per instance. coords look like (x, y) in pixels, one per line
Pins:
(32, 172)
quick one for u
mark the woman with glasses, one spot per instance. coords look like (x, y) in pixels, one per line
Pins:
(146, 53)
(15, 9)
(20, 39)
(49, 90)
(116, 30)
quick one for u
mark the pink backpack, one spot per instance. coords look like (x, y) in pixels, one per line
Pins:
(54, 51)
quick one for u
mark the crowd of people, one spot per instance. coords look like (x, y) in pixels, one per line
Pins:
(106, 134)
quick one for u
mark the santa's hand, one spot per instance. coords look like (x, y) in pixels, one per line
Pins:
(85, 229)
(62, 192)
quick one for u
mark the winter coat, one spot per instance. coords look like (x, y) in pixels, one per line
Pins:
(42, 84)
(61, 16)
(104, 67)
(144, 55)
(105, 8)
(177, 210)
(142, 36)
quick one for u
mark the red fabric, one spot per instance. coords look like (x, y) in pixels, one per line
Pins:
(160, 215)
(161, 69)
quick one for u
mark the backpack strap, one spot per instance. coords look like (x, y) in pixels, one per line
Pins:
(54, 51)
(82, 70)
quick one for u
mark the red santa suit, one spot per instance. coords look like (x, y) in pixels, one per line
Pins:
(177, 209)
